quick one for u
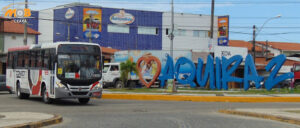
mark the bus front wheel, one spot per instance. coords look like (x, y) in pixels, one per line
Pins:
(45, 96)
(20, 94)
(83, 100)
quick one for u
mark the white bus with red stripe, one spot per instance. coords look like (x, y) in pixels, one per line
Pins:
(55, 71)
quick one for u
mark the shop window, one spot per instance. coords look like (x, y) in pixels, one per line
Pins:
(117, 28)
(179, 32)
(148, 30)
(13, 37)
(200, 33)
(167, 31)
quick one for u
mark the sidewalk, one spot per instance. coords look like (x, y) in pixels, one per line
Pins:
(290, 115)
(27, 119)
(202, 97)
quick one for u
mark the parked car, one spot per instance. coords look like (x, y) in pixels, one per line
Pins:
(282, 84)
(3, 84)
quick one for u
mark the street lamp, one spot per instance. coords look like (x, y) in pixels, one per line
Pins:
(259, 30)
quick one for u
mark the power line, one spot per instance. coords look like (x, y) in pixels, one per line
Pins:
(180, 3)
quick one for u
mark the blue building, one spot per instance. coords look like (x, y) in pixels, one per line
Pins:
(110, 27)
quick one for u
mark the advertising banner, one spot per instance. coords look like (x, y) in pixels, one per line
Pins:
(228, 52)
(223, 30)
(92, 20)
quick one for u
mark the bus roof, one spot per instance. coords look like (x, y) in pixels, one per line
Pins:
(47, 45)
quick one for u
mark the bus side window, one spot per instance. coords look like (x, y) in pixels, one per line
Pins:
(46, 59)
(39, 59)
(20, 59)
(26, 59)
(33, 59)
(8, 62)
(52, 59)
(14, 64)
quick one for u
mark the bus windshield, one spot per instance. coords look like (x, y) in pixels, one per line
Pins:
(297, 68)
(84, 65)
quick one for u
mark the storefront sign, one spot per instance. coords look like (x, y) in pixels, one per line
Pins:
(70, 13)
(122, 18)
(223, 30)
(17, 12)
(92, 20)
(227, 52)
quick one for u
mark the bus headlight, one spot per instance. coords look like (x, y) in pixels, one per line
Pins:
(98, 86)
(60, 85)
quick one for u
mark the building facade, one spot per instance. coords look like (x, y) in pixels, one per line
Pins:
(124, 29)
(191, 32)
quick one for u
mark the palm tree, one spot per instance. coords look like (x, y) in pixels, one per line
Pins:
(126, 68)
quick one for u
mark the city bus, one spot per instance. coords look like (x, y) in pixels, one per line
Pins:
(55, 71)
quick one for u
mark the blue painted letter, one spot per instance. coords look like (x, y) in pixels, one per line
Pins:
(190, 78)
(272, 79)
(250, 73)
(226, 74)
(168, 72)
(209, 71)
(218, 73)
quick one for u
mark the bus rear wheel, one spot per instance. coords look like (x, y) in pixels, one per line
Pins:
(83, 100)
(20, 94)
(45, 96)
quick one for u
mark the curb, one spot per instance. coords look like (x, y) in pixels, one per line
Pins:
(54, 120)
(263, 116)
(199, 98)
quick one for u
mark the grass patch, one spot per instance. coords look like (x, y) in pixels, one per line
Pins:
(294, 111)
(207, 91)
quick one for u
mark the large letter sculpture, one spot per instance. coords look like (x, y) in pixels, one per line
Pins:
(191, 77)
(226, 74)
(168, 72)
(209, 71)
(250, 73)
(272, 80)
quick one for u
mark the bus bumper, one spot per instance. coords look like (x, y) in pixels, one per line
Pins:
(63, 93)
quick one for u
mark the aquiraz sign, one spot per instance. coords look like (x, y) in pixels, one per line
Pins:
(218, 71)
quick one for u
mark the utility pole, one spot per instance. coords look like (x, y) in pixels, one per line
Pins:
(90, 28)
(212, 19)
(172, 28)
(68, 31)
(253, 48)
(212, 23)
(171, 36)
(25, 26)
(267, 53)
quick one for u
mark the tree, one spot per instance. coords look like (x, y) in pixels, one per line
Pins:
(126, 68)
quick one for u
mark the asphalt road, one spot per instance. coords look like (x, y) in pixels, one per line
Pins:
(144, 114)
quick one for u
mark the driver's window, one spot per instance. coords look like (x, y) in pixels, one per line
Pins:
(114, 68)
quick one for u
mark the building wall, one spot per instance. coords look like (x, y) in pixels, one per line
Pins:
(15, 40)
(45, 24)
(189, 23)
(33, 23)
(276, 52)
(123, 41)
(1, 36)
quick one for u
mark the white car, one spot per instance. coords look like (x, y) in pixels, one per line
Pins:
(111, 76)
